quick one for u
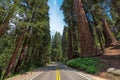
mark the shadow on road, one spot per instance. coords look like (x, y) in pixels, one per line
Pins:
(53, 67)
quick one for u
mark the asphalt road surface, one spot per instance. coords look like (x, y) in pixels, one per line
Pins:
(58, 71)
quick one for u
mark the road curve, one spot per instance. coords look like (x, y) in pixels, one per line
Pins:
(58, 71)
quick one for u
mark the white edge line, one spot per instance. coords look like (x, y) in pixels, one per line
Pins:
(36, 76)
(82, 75)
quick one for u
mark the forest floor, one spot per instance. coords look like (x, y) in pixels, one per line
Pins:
(111, 59)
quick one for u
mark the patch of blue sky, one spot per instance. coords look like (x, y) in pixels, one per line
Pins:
(106, 8)
(56, 16)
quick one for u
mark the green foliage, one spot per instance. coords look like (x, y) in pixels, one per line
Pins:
(70, 37)
(6, 48)
(65, 43)
(56, 54)
(25, 67)
(90, 65)
(92, 69)
(31, 16)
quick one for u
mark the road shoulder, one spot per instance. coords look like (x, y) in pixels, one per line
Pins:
(26, 76)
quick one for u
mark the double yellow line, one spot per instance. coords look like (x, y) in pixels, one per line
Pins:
(58, 75)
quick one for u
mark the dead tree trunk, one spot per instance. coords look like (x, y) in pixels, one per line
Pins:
(87, 42)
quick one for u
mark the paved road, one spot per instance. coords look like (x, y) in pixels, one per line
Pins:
(58, 71)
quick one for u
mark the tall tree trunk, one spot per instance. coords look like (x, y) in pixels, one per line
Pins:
(3, 28)
(70, 46)
(22, 55)
(98, 31)
(75, 42)
(13, 57)
(110, 40)
(99, 34)
(73, 29)
(87, 42)
(23, 51)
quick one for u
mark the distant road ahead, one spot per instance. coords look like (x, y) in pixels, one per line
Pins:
(58, 71)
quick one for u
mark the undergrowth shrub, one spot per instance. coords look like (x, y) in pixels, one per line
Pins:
(90, 65)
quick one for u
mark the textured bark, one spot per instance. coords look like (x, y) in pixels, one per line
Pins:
(13, 57)
(75, 42)
(74, 34)
(23, 51)
(110, 40)
(87, 42)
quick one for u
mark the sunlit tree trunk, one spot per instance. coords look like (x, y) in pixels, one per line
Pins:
(87, 42)
(110, 40)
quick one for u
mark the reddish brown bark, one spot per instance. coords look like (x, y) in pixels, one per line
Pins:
(110, 40)
(13, 57)
(23, 52)
(22, 55)
(87, 42)
(3, 28)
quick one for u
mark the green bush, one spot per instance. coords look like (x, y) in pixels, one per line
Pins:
(92, 69)
(89, 65)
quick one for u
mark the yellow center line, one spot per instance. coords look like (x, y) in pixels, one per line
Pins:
(58, 75)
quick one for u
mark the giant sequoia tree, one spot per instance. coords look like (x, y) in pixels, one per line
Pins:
(98, 10)
(87, 42)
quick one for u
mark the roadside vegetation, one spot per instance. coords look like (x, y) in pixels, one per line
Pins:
(90, 65)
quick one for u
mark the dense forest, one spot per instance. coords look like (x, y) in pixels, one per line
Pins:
(92, 24)
(26, 43)
(24, 35)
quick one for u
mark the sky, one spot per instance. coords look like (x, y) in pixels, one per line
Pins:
(56, 16)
